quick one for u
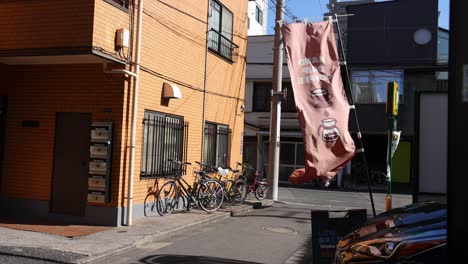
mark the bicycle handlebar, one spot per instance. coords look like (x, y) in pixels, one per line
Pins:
(206, 166)
(246, 166)
(180, 162)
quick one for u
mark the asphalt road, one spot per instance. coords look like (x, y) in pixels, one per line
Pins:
(266, 235)
(276, 234)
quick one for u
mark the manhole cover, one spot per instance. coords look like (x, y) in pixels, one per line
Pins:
(282, 230)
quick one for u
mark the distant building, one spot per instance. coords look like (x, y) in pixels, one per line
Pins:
(385, 41)
(257, 17)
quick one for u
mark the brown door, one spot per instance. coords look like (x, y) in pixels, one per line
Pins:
(3, 108)
(71, 154)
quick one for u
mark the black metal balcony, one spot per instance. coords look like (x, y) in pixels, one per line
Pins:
(222, 46)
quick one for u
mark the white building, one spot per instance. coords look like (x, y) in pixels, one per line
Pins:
(258, 17)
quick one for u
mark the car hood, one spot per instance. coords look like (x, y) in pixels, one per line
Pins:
(401, 231)
(408, 219)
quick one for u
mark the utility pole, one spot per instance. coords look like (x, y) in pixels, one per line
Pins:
(275, 114)
(457, 129)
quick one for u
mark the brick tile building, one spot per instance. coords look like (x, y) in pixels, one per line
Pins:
(66, 100)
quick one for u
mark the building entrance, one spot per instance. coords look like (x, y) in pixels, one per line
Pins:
(71, 155)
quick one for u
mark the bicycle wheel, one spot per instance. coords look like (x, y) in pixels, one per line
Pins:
(261, 191)
(150, 204)
(210, 195)
(167, 198)
(378, 178)
(230, 191)
(241, 194)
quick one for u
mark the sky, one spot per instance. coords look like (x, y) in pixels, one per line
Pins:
(312, 9)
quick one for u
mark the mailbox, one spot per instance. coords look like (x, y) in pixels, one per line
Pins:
(100, 157)
(98, 151)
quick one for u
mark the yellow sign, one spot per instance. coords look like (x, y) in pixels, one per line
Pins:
(392, 98)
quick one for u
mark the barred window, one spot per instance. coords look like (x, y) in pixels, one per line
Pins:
(164, 138)
(220, 34)
(122, 4)
(216, 144)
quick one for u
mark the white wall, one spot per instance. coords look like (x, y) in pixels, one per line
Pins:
(260, 58)
(260, 68)
(433, 144)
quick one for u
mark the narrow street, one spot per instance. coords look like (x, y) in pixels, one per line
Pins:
(277, 234)
(265, 235)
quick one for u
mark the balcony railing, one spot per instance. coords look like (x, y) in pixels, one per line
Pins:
(122, 4)
(222, 46)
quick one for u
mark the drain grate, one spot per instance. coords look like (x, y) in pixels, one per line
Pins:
(282, 230)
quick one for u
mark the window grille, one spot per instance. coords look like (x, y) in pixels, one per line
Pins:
(164, 137)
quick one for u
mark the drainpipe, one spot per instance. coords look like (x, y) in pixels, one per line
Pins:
(131, 173)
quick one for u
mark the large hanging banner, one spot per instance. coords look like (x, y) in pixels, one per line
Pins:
(321, 103)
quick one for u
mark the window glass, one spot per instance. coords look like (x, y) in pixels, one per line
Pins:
(222, 146)
(215, 17)
(300, 154)
(442, 47)
(287, 153)
(119, 3)
(259, 15)
(370, 86)
(262, 97)
(221, 31)
(227, 24)
(216, 144)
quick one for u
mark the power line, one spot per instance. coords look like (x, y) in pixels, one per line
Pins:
(320, 4)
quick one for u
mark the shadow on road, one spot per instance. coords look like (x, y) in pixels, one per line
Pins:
(186, 259)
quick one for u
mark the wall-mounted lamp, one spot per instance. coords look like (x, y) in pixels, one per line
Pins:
(171, 91)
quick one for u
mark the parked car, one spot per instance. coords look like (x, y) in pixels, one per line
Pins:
(414, 234)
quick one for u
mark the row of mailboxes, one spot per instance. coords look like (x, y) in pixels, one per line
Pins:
(100, 162)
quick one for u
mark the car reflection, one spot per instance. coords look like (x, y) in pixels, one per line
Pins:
(415, 233)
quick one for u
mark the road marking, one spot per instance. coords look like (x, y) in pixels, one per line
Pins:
(154, 245)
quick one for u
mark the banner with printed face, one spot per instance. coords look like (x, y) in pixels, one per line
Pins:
(321, 103)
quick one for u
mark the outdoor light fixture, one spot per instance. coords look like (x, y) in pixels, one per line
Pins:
(422, 36)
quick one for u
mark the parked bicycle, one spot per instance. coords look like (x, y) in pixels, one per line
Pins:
(250, 181)
(205, 192)
(377, 178)
(221, 175)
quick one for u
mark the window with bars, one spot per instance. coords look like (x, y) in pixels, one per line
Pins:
(216, 145)
(164, 138)
(220, 34)
(122, 4)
